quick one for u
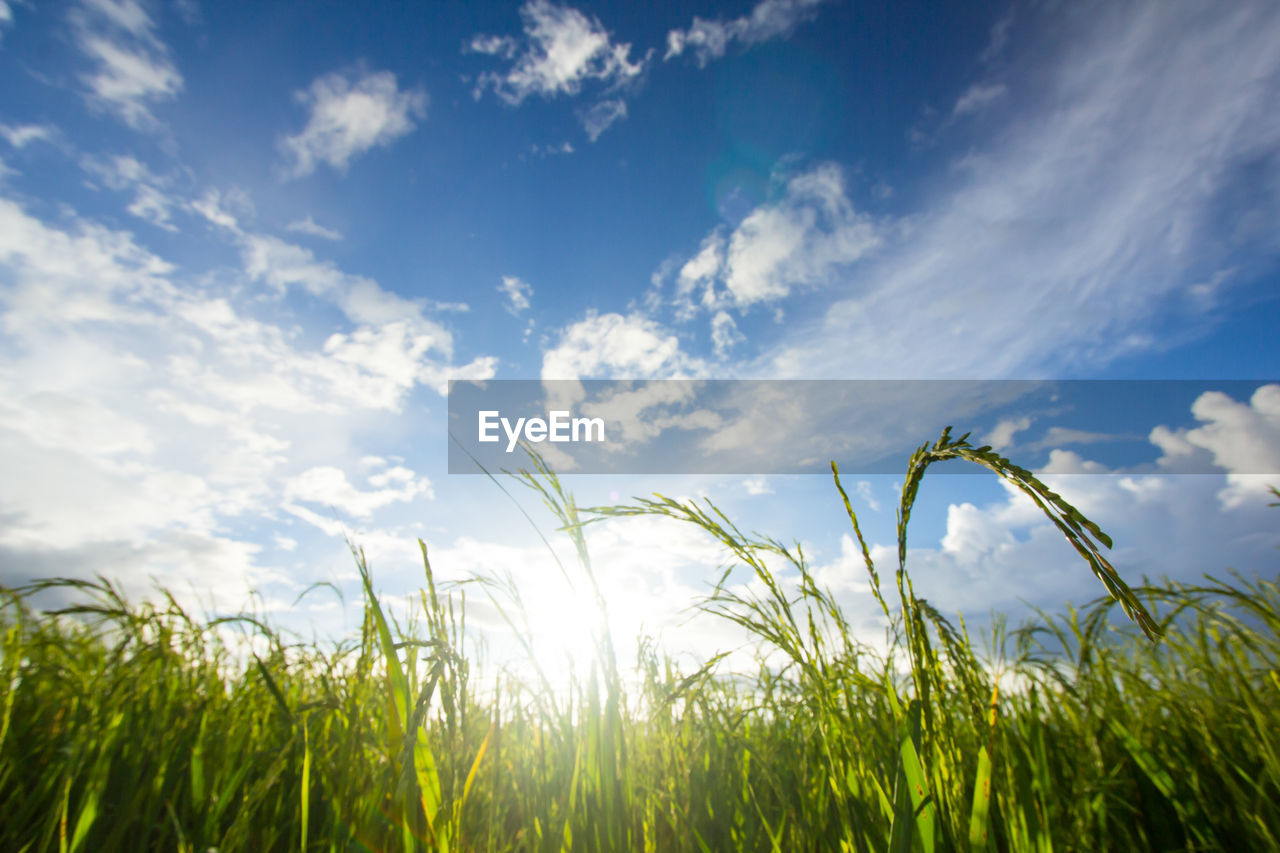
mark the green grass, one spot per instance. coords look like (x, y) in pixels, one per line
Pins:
(135, 726)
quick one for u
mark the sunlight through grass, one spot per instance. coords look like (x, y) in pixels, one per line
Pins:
(135, 726)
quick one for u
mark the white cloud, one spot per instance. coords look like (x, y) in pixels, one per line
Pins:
(563, 48)
(328, 486)
(757, 486)
(1242, 438)
(142, 416)
(769, 19)
(517, 293)
(724, 334)
(126, 15)
(89, 450)
(602, 116)
(124, 172)
(998, 39)
(1087, 216)
(211, 208)
(997, 556)
(349, 115)
(699, 273)
(614, 346)
(549, 150)
(309, 226)
(283, 265)
(133, 70)
(978, 96)
(153, 206)
(503, 46)
(1002, 435)
(391, 349)
(119, 172)
(862, 489)
(802, 240)
(21, 135)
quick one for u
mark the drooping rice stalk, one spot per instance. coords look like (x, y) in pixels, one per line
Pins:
(137, 726)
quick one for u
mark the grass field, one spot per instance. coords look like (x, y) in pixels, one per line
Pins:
(135, 726)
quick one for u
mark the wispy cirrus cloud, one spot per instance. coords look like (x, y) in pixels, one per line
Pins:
(349, 114)
(1092, 212)
(602, 116)
(978, 96)
(769, 19)
(133, 71)
(22, 135)
(310, 227)
(152, 202)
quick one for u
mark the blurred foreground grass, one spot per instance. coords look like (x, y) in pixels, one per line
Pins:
(137, 727)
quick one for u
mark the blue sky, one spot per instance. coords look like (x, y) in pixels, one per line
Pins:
(244, 248)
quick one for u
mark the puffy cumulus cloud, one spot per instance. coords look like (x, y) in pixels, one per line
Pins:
(1101, 198)
(563, 49)
(1001, 555)
(143, 417)
(393, 353)
(613, 345)
(132, 66)
(1242, 438)
(329, 486)
(1001, 436)
(769, 19)
(804, 239)
(1006, 553)
(64, 277)
(517, 293)
(351, 113)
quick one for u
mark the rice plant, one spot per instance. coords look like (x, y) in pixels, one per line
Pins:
(138, 726)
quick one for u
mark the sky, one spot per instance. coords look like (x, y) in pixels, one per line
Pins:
(245, 247)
